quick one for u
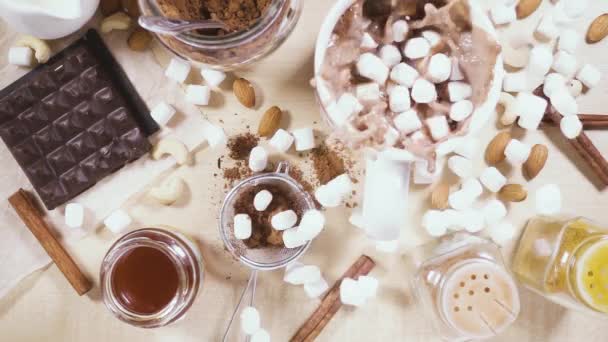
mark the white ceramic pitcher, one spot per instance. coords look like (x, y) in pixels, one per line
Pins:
(47, 19)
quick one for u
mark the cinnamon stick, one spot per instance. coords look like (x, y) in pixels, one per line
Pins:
(29, 213)
(331, 302)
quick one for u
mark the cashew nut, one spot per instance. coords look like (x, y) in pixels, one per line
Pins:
(41, 48)
(117, 21)
(575, 87)
(516, 57)
(173, 147)
(509, 116)
(168, 191)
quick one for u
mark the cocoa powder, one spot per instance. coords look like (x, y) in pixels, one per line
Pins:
(327, 164)
(240, 146)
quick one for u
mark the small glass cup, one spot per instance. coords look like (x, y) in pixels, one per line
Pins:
(233, 50)
(186, 258)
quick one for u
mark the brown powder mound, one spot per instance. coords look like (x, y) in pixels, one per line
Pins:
(236, 14)
(181, 9)
(241, 145)
(327, 164)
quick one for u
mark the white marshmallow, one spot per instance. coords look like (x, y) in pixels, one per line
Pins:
(404, 74)
(387, 246)
(368, 42)
(571, 126)
(502, 14)
(408, 122)
(461, 110)
(416, 48)
(262, 200)
(198, 95)
(517, 152)
(368, 285)
(541, 59)
(449, 146)
(293, 238)
(258, 159)
(553, 82)
(454, 219)
(433, 37)
(346, 106)
(460, 166)
(390, 55)
(368, 92)
(351, 293)
(473, 187)
(564, 102)
(212, 77)
(575, 87)
(242, 226)
(316, 289)
(20, 56)
(502, 233)
(260, 336)
(461, 200)
(250, 320)
(472, 220)
(302, 274)
(400, 30)
(434, 223)
(372, 67)
(589, 75)
(532, 110)
(459, 91)
(399, 99)
(492, 179)
(118, 221)
(457, 74)
(178, 70)
(327, 197)
(312, 224)
(74, 215)
(494, 211)
(424, 91)
(284, 220)
(162, 113)
(468, 147)
(548, 200)
(568, 41)
(515, 82)
(565, 64)
(440, 68)
(341, 184)
(438, 126)
(215, 135)
(304, 138)
(547, 28)
(281, 140)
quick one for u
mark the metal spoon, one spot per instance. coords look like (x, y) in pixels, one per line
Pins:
(163, 25)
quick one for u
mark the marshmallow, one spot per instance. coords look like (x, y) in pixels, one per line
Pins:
(212, 77)
(472, 220)
(262, 200)
(302, 274)
(368, 92)
(316, 289)
(449, 146)
(284, 220)
(473, 187)
(74, 215)
(457, 74)
(368, 42)
(351, 293)
(547, 28)
(260, 336)
(368, 285)
(541, 59)
(502, 233)
(460, 166)
(440, 68)
(387, 246)
(178, 70)
(589, 75)
(553, 82)
(434, 38)
(502, 14)
(408, 122)
(118, 221)
(494, 211)
(399, 99)
(515, 82)
(215, 135)
(424, 91)
(438, 126)
(293, 238)
(327, 197)
(281, 140)
(416, 48)
(390, 55)
(162, 113)
(571, 126)
(461, 110)
(400, 30)
(454, 219)
(548, 200)
(242, 226)
(517, 152)
(564, 102)
(198, 95)
(434, 223)
(404, 74)
(372, 67)
(459, 91)
(341, 184)
(492, 179)
(575, 87)
(346, 106)
(20, 56)
(258, 159)
(565, 64)
(250, 320)
(304, 138)
(568, 41)
(532, 110)
(461, 199)
(468, 147)
(312, 224)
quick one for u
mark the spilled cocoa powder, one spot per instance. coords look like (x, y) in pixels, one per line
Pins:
(240, 146)
(327, 164)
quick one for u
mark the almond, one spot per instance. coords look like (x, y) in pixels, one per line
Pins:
(270, 122)
(495, 152)
(536, 162)
(526, 7)
(109, 7)
(439, 197)
(244, 92)
(513, 193)
(139, 40)
(598, 29)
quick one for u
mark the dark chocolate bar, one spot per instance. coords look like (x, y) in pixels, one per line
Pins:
(74, 120)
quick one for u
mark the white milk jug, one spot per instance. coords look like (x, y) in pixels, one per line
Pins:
(47, 19)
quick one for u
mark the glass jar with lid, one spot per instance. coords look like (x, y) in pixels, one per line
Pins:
(566, 260)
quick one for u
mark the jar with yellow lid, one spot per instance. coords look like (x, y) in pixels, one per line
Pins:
(566, 261)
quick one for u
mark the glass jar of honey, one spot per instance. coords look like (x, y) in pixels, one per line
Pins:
(566, 261)
(464, 288)
(150, 277)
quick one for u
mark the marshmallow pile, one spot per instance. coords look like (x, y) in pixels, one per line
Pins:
(251, 325)
(357, 292)
(307, 275)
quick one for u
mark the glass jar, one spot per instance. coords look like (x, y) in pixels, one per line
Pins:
(464, 288)
(566, 261)
(237, 49)
(150, 277)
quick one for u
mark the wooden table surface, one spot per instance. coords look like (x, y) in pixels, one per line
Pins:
(44, 307)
